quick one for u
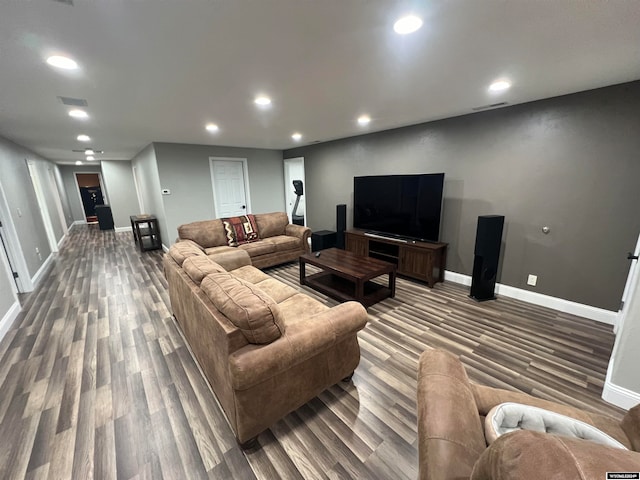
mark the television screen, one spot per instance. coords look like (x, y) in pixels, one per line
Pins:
(406, 206)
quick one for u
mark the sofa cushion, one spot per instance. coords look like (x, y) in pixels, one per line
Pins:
(272, 224)
(240, 230)
(255, 249)
(219, 249)
(198, 267)
(251, 274)
(206, 233)
(246, 306)
(284, 243)
(300, 307)
(277, 290)
(182, 250)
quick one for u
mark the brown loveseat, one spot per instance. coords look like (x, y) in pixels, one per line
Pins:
(452, 443)
(279, 241)
(265, 348)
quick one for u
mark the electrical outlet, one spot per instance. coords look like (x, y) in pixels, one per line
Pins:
(532, 280)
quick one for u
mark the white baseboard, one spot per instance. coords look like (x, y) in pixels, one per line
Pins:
(620, 396)
(567, 306)
(123, 229)
(43, 268)
(165, 248)
(78, 222)
(62, 239)
(9, 318)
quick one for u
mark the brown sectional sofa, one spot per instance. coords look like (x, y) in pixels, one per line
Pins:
(280, 241)
(452, 445)
(265, 348)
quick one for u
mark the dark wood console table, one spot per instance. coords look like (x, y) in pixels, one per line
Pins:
(420, 260)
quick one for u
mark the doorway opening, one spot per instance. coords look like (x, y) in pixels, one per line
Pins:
(91, 194)
(230, 180)
(294, 190)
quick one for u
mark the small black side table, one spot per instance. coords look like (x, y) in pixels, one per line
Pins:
(146, 232)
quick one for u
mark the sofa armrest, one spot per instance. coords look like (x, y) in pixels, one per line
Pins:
(631, 426)
(524, 455)
(303, 233)
(450, 433)
(253, 364)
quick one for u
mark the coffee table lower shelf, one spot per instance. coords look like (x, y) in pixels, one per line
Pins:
(345, 290)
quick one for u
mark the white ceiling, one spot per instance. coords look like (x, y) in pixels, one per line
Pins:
(159, 70)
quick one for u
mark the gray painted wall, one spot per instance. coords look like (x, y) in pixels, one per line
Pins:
(184, 169)
(22, 203)
(118, 179)
(71, 186)
(570, 163)
(146, 165)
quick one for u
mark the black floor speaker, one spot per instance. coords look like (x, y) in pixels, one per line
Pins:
(341, 224)
(486, 257)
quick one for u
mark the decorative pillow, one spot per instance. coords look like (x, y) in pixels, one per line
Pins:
(508, 417)
(246, 306)
(198, 267)
(240, 230)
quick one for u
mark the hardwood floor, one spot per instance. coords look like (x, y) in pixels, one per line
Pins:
(96, 380)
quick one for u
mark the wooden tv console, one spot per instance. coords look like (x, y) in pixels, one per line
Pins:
(420, 260)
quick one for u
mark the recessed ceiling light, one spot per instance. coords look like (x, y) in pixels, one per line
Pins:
(499, 85)
(364, 119)
(297, 136)
(90, 157)
(78, 162)
(212, 127)
(262, 101)
(89, 151)
(78, 114)
(84, 138)
(59, 61)
(408, 24)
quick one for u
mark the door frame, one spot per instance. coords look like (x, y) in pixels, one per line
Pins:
(245, 175)
(136, 182)
(102, 189)
(58, 202)
(38, 188)
(14, 248)
(288, 186)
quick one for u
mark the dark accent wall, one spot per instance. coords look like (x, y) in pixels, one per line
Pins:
(571, 163)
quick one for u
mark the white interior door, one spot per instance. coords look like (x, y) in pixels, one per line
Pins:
(294, 170)
(11, 248)
(230, 186)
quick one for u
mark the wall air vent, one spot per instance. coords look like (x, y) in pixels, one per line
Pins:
(74, 102)
(487, 107)
(66, 2)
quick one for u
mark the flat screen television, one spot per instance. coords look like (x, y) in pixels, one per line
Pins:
(402, 206)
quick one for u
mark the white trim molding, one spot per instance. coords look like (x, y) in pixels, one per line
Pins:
(43, 268)
(619, 396)
(123, 229)
(560, 304)
(9, 318)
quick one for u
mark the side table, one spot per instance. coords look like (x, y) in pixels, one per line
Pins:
(146, 232)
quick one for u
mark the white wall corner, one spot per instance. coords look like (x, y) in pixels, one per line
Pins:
(619, 396)
(9, 318)
(587, 311)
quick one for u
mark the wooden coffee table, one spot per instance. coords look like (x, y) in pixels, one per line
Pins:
(346, 276)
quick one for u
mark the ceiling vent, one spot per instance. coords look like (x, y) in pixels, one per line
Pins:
(486, 107)
(66, 2)
(73, 102)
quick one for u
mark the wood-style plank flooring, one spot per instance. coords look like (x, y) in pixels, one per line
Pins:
(96, 380)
